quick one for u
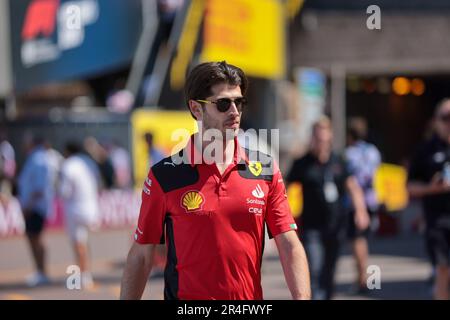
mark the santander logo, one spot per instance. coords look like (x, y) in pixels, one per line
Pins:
(258, 192)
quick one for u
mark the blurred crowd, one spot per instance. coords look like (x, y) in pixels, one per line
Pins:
(50, 181)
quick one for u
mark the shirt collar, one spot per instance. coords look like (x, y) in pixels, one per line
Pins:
(193, 156)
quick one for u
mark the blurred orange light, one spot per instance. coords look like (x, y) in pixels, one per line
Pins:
(401, 86)
(417, 87)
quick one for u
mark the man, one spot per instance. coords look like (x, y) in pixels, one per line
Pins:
(7, 166)
(121, 161)
(155, 155)
(429, 179)
(99, 155)
(35, 190)
(79, 191)
(7, 158)
(325, 179)
(214, 214)
(363, 159)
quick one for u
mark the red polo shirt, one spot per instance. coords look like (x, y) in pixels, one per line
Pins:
(213, 224)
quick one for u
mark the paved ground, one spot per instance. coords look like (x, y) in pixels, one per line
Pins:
(404, 269)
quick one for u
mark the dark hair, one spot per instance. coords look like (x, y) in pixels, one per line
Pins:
(357, 128)
(73, 147)
(38, 140)
(206, 75)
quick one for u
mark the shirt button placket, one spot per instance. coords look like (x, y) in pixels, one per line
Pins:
(222, 189)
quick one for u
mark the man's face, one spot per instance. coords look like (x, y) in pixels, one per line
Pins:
(214, 119)
(322, 139)
(443, 121)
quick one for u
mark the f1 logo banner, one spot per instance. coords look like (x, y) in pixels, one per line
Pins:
(40, 18)
(57, 40)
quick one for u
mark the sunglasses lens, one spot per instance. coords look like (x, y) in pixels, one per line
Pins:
(223, 105)
(240, 103)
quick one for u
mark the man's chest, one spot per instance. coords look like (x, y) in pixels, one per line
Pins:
(214, 197)
(435, 161)
(316, 175)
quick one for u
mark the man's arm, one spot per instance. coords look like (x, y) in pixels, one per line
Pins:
(137, 269)
(417, 189)
(362, 219)
(295, 265)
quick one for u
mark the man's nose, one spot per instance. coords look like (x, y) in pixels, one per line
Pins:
(234, 108)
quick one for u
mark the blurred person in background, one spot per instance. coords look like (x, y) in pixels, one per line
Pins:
(55, 160)
(121, 162)
(35, 191)
(7, 157)
(93, 167)
(325, 179)
(7, 165)
(79, 191)
(429, 180)
(7, 172)
(100, 155)
(363, 160)
(155, 155)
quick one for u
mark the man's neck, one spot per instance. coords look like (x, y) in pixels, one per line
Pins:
(223, 159)
(322, 156)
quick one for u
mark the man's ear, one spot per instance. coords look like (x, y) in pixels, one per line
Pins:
(196, 109)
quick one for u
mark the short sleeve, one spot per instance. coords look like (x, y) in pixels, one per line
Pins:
(150, 227)
(279, 218)
(347, 171)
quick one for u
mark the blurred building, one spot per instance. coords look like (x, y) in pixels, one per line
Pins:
(393, 76)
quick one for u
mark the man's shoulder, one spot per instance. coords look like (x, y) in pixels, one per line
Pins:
(172, 174)
(363, 150)
(303, 160)
(258, 155)
(260, 165)
(75, 162)
(38, 158)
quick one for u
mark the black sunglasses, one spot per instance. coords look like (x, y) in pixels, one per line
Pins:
(224, 104)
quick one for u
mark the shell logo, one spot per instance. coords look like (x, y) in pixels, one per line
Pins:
(192, 200)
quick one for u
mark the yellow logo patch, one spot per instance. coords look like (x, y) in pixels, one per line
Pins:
(192, 200)
(255, 168)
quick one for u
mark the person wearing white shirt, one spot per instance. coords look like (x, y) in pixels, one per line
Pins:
(79, 192)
